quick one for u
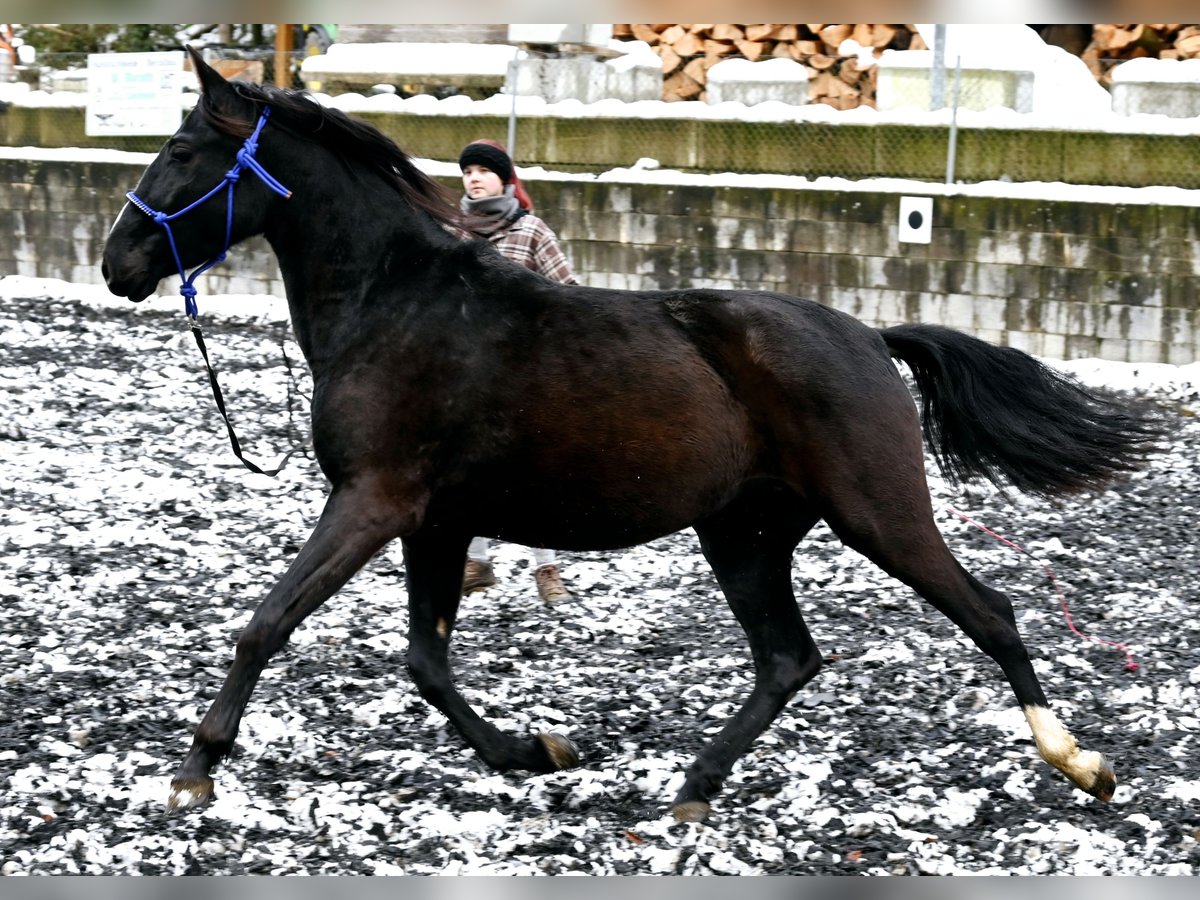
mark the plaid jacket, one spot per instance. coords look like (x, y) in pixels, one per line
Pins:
(533, 244)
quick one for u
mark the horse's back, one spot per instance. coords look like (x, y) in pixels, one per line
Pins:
(729, 371)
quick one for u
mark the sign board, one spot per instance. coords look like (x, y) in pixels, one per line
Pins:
(916, 220)
(134, 93)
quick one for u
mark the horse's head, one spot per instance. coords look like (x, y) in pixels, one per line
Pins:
(156, 233)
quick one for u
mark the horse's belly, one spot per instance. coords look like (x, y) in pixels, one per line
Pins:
(620, 487)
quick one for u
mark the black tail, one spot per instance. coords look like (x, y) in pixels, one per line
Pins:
(999, 413)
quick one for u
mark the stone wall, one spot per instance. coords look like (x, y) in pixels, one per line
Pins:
(1062, 279)
(1056, 278)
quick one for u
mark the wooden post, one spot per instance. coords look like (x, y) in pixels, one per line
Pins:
(283, 56)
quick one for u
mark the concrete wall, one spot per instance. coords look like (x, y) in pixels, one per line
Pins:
(1056, 278)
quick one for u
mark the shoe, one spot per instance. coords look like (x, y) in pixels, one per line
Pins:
(549, 584)
(477, 576)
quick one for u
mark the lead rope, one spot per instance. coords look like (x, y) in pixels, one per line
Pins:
(1131, 664)
(220, 401)
(245, 160)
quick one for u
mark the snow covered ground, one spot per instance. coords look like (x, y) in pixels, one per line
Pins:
(135, 548)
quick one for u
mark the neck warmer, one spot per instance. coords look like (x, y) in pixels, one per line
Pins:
(488, 215)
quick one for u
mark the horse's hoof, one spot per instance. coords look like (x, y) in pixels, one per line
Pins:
(1105, 783)
(691, 811)
(562, 752)
(190, 793)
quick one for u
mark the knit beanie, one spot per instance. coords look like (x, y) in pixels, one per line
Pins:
(493, 158)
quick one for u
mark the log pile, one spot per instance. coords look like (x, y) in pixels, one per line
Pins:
(1102, 47)
(687, 52)
(1115, 43)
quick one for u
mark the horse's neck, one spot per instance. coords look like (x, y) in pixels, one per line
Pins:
(344, 259)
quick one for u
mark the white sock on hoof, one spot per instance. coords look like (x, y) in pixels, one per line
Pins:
(1059, 747)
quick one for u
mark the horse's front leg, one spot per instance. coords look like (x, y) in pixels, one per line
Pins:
(356, 522)
(433, 570)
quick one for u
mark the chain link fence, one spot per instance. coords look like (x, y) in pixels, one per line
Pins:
(947, 124)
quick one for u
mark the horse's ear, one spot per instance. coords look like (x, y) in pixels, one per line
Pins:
(211, 82)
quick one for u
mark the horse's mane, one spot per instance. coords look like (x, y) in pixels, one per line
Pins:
(300, 114)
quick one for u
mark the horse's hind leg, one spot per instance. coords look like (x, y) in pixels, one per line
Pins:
(354, 524)
(749, 545)
(886, 516)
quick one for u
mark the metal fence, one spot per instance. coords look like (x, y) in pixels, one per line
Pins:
(1149, 130)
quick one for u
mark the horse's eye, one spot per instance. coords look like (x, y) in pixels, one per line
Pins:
(180, 153)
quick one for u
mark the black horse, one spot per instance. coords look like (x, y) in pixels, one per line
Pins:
(458, 394)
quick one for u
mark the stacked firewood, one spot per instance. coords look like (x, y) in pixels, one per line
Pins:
(1103, 47)
(687, 52)
(1111, 43)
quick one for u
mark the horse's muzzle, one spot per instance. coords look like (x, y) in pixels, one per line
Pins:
(135, 285)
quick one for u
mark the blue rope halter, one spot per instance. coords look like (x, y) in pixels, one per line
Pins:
(245, 160)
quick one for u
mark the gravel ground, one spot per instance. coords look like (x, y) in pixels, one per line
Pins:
(135, 548)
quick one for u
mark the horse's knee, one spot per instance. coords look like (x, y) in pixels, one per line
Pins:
(258, 642)
(808, 669)
(790, 673)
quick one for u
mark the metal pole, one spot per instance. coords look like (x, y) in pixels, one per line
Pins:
(937, 77)
(953, 149)
(512, 112)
